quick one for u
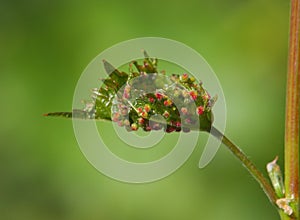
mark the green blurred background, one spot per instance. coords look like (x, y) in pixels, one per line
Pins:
(45, 45)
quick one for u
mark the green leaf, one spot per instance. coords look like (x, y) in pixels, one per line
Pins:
(111, 102)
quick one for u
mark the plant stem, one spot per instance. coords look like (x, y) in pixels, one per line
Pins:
(264, 183)
(292, 112)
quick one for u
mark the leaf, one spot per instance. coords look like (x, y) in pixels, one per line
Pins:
(112, 103)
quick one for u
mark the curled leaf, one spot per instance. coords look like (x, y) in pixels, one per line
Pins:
(148, 99)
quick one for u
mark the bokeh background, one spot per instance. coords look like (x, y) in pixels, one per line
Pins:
(45, 45)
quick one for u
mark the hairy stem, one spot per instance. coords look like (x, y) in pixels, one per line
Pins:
(292, 113)
(264, 183)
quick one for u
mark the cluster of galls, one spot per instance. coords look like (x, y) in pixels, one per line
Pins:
(148, 99)
(154, 101)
